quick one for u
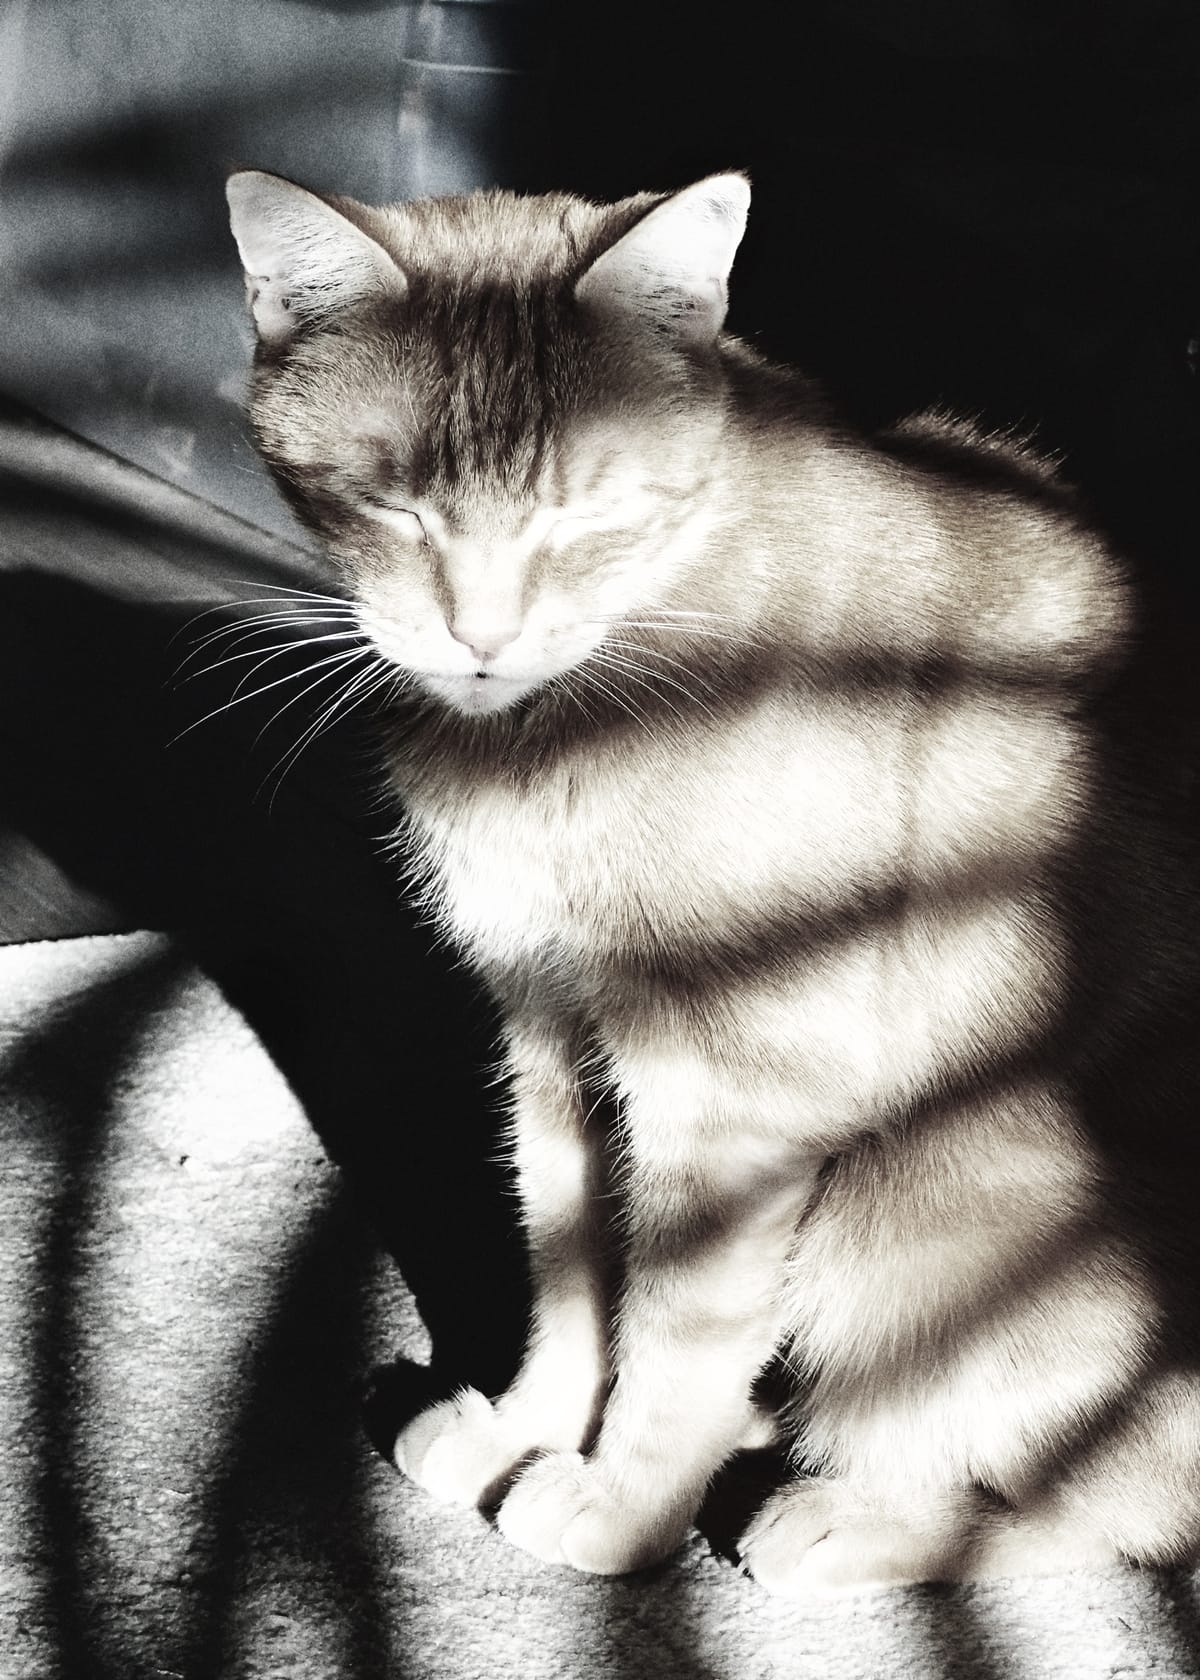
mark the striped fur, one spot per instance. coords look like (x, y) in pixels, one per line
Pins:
(801, 792)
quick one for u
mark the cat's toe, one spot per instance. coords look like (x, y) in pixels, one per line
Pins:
(543, 1502)
(812, 1538)
(458, 1451)
(779, 1540)
(562, 1511)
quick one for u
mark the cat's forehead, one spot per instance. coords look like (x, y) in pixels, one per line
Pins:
(478, 387)
(497, 238)
(485, 364)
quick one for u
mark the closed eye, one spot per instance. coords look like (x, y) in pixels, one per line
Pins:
(566, 526)
(403, 521)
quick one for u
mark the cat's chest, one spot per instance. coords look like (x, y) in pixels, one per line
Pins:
(508, 870)
(663, 849)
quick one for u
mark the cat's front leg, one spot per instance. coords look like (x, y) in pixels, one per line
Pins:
(466, 1449)
(712, 1211)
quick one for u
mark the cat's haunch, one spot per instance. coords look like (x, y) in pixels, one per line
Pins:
(802, 791)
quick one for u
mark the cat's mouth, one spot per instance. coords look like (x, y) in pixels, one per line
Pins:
(476, 693)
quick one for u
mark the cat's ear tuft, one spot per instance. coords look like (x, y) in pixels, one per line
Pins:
(670, 272)
(303, 259)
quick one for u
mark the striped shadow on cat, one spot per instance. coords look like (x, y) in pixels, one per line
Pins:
(802, 791)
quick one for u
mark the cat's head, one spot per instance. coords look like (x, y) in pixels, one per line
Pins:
(498, 413)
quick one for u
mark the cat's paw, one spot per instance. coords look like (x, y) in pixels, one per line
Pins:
(811, 1539)
(777, 1547)
(562, 1510)
(461, 1450)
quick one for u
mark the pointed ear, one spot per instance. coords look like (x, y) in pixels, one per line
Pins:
(303, 259)
(669, 272)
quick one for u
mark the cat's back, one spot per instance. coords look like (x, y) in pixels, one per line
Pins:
(932, 545)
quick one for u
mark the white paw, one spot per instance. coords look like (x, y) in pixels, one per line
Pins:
(813, 1538)
(779, 1540)
(461, 1451)
(562, 1510)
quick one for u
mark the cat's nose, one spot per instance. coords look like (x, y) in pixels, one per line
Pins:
(485, 639)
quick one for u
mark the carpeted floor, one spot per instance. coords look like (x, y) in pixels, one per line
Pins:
(188, 1308)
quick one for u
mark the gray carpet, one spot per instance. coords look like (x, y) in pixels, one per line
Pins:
(188, 1305)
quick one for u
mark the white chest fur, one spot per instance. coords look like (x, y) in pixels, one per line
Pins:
(683, 839)
(851, 886)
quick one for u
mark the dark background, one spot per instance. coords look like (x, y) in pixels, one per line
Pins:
(988, 205)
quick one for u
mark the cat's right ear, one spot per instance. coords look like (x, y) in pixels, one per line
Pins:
(670, 271)
(303, 259)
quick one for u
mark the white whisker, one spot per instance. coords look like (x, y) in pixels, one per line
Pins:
(289, 589)
(340, 661)
(614, 663)
(265, 655)
(244, 629)
(593, 681)
(368, 682)
(744, 639)
(691, 612)
(307, 595)
(290, 676)
(655, 653)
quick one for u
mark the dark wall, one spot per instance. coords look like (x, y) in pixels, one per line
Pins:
(987, 205)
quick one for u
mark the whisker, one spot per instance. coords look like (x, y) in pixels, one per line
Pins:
(593, 681)
(614, 663)
(567, 692)
(244, 628)
(609, 647)
(655, 653)
(340, 661)
(744, 639)
(290, 676)
(740, 635)
(288, 589)
(665, 614)
(272, 653)
(296, 610)
(389, 685)
(291, 755)
(369, 682)
(287, 647)
(311, 595)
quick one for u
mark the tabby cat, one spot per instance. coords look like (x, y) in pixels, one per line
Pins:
(799, 793)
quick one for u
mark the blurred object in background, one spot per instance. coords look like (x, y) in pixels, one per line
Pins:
(119, 288)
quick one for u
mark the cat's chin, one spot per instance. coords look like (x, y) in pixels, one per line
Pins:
(477, 696)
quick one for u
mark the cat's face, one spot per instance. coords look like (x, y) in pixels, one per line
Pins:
(499, 415)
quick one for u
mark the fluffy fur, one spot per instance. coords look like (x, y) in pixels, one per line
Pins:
(800, 794)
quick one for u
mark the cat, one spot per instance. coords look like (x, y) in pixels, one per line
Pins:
(801, 793)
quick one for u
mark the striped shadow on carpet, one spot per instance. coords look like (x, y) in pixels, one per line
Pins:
(188, 1306)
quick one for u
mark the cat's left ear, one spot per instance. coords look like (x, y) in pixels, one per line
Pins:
(303, 259)
(670, 271)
